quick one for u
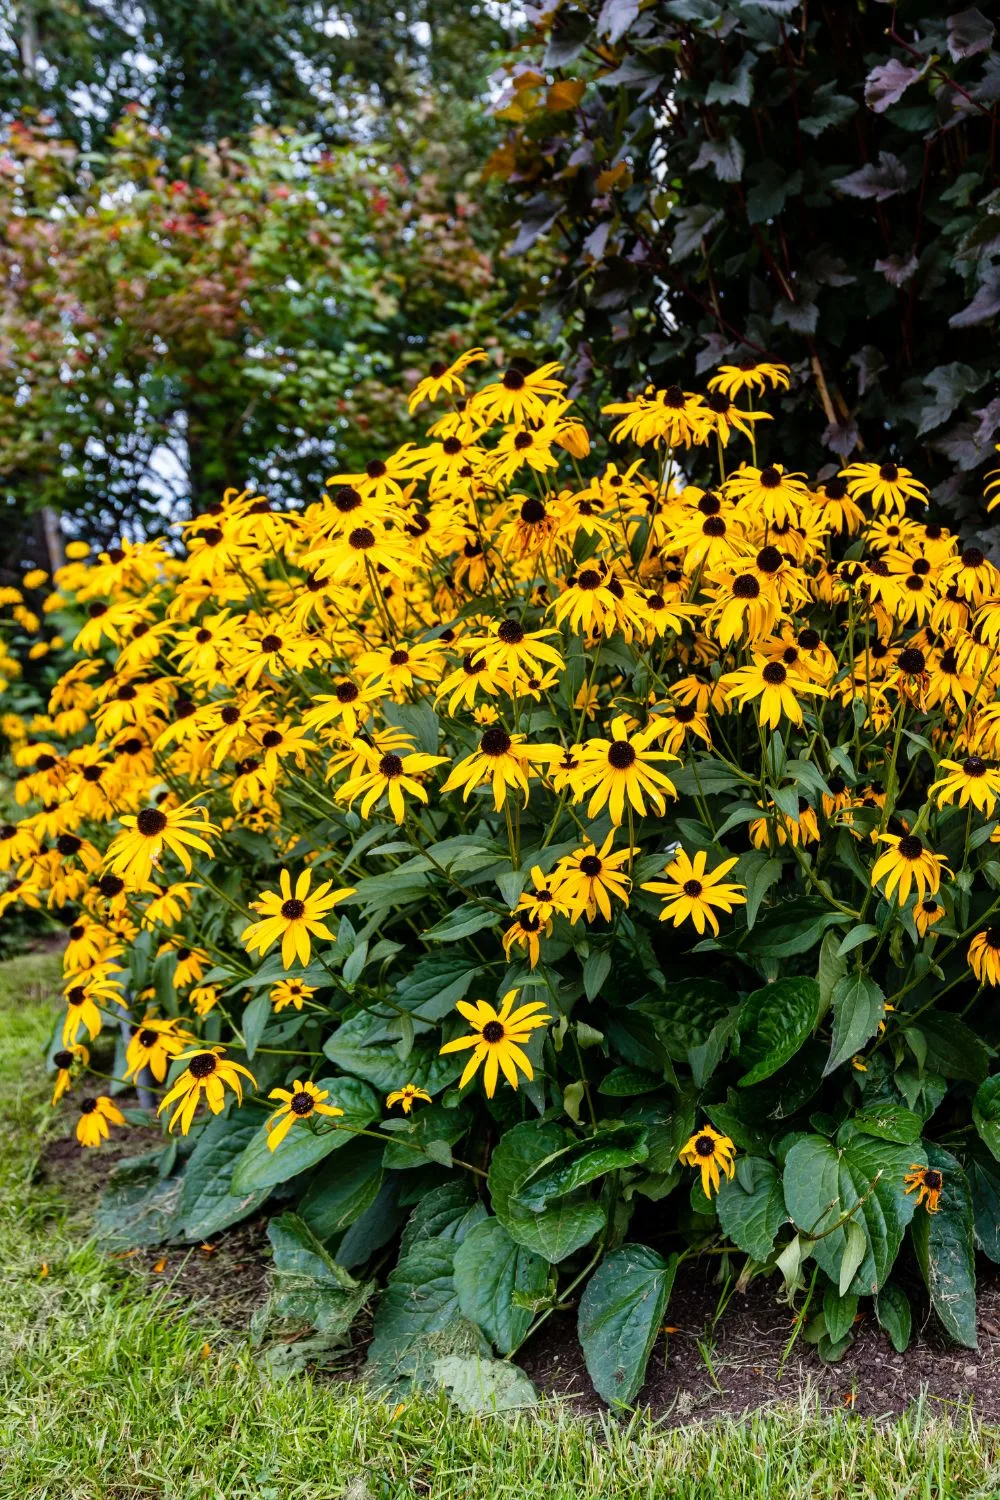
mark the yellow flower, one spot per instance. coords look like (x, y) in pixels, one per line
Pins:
(623, 768)
(443, 380)
(777, 688)
(908, 862)
(496, 1039)
(749, 375)
(290, 992)
(691, 891)
(502, 759)
(65, 1061)
(96, 1116)
(589, 877)
(711, 1153)
(208, 1072)
(983, 956)
(888, 485)
(407, 1097)
(293, 917)
(133, 853)
(927, 1183)
(970, 780)
(388, 775)
(301, 1102)
(154, 1045)
(926, 913)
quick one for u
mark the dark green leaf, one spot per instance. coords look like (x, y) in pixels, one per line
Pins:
(823, 1182)
(489, 1268)
(943, 1245)
(751, 1207)
(206, 1204)
(773, 1024)
(584, 1161)
(343, 1188)
(565, 1225)
(892, 1308)
(303, 1147)
(621, 1312)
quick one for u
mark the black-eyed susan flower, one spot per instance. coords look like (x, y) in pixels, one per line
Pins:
(153, 1045)
(299, 1103)
(984, 956)
(588, 879)
(82, 1011)
(204, 997)
(134, 852)
(66, 1061)
(926, 913)
(406, 1097)
(292, 917)
(391, 775)
(503, 760)
(691, 891)
(497, 1039)
(209, 1072)
(906, 864)
(970, 780)
(888, 486)
(927, 1183)
(712, 1153)
(290, 992)
(750, 375)
(443, 379)
(519, 396)
(777, 687)
(96, 1118)
(623, 769)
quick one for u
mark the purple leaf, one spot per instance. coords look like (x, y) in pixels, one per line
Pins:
(883, 181)
(969, 32)
(897, 269)
(887, 83)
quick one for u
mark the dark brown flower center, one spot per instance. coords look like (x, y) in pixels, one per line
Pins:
(511, 633)
(151, 822)
(911, 661)
(889, 473)
(705, 1146)
(746, 587)
(301, 1104)
(513, 380)
(621, 755)
(774, 674)
(911, 846)
(347, 692)
(493, 1032)
(974, 766)
(391, 766)
(770, 478)
(591, 866)
(933, 1180)
(293, 908)
(693, 888)
(769, 559)
(495, 741)
(203, 1065)
(361, 538)
(147, 1038)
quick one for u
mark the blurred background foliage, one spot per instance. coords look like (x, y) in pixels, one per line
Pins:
(229, 227)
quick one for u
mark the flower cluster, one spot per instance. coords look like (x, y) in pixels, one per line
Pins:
(478, 723)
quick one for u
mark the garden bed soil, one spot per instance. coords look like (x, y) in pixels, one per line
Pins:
(695, 1373)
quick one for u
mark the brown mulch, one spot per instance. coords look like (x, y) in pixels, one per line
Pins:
(696, 1372)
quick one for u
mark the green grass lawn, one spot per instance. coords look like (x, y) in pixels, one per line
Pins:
(108, 1392)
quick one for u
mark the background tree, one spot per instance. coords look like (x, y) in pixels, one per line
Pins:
(818, 183)
(167, 336)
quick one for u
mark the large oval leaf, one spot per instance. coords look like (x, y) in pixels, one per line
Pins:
(621, 1312)
(986, 1113)
(751, 1207)
(303, 1146)
(822, 1182)
(944, 1249)
(557, 1230)
(858, 1007)
(206, 1203)
(343, 1188)
(576, 1165)
(490, 1268)
(774, 1022)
